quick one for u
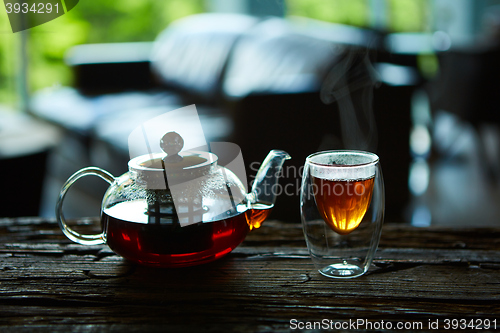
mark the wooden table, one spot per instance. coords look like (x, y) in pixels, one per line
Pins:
(421, 276)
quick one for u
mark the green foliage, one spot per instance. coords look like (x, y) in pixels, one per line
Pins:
(47, 46)
(428, 64)
(106, 21)
(8, 61)
(353, 12)
(408, 15)
(91, 21)
(131, 20)
(402, 15)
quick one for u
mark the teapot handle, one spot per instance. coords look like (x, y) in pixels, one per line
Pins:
(70, 233)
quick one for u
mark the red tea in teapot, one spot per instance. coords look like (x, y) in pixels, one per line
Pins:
(166, 243)
(179, 208)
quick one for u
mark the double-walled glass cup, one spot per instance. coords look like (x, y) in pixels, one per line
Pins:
(342, 208)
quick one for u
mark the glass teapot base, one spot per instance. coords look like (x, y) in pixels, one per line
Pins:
(174, 246)
(183, 263)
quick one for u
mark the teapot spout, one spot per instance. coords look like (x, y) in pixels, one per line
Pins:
(264, 187)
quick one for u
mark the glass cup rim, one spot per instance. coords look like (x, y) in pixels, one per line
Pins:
(350, 151)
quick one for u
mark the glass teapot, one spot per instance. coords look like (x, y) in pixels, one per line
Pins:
(176, 208)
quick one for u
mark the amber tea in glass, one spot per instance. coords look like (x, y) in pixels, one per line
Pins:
(342, 208)
(343, 203)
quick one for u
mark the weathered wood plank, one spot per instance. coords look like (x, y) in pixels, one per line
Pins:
(50, 284)
(277, 233)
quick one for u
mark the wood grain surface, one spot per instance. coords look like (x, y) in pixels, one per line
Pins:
(267, 284)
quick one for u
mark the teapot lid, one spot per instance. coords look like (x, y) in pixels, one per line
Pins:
(153, 170)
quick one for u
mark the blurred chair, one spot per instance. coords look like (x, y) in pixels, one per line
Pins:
(25, 144)
(257, 82)
(468, 86)
(304, 86)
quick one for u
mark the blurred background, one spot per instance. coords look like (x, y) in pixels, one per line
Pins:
(416, 81)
